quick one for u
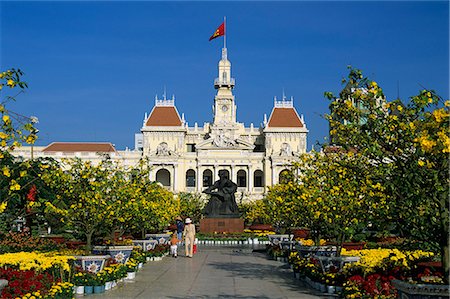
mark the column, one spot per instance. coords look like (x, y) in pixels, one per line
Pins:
(250, 178)
(175, 173)
(199, 179)
(233, 176)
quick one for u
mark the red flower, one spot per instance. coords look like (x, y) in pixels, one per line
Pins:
(31, 196)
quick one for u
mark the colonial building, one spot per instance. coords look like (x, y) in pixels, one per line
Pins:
(188, 159)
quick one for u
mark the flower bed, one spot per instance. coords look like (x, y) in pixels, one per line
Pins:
(369, 277)
(32, 272)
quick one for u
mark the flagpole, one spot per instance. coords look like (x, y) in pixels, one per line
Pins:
(225, 32)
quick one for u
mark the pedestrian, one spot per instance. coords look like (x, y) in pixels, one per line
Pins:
(173, 245)
(180, 227)
(189, 237)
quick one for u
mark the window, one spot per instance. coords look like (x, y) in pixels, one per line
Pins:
(258, 178)
(163, 176)
(242, 178)
(190, 147)
(207, 178)
(190, 178)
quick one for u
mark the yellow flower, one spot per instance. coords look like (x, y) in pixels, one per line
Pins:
(3, 206)
(10, 83)
(6, 171)
(421, 163)
(6, 119)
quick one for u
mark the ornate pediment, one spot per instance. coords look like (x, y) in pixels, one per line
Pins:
(223, 142)
(162, 150)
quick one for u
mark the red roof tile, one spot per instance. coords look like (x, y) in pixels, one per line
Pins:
(164, 116)
(80, 147)
(285, 118)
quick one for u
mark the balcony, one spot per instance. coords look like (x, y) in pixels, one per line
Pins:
(219, 83)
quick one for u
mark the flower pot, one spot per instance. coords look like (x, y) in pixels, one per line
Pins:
(113, 284)
(79, 289)
(121, 254)
(108, 285)
(145, 245)
(98, 289)
(140, 265)
(420, 291)
(331, 289)
(131, 275)
(91, 263)
(88, 289)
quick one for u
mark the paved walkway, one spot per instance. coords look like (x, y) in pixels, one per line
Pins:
(214, 272)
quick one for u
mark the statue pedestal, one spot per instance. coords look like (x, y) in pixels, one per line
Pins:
(220, 225)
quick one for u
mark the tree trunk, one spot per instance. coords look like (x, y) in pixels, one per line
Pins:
(88, 242)
(340, 242)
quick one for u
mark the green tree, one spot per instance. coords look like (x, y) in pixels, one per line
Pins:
(15, 129)
(409, 143)
(191, 205)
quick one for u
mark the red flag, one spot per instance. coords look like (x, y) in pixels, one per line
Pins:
(219, 31)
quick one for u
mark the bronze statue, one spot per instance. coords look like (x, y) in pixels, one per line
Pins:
(222, 202)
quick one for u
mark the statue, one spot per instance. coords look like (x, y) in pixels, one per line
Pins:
(162, 149)
(222, 202)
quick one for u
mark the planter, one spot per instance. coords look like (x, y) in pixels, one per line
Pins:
(131, 275)
(329, 262)
(261, 227)
(278, 239)
(79, 290)
(145, 245)
(88, 289)
(91, 263)
(3, 284)
(331, 289)
(420, 291)
(98, 289)
(140, 265)
(161, 238)
(121, 254)
(108, 285)
(306, 251)
(302, 233)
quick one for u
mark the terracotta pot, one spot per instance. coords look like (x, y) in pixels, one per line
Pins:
(261, 227)
(300, 233)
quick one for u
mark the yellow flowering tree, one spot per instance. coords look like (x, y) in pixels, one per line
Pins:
(409, 144)
(334, 193)
(15, 129)
(83, 196)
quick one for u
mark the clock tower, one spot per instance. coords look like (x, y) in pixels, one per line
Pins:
(224, 108)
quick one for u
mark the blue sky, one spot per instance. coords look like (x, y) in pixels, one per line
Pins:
(93, 68)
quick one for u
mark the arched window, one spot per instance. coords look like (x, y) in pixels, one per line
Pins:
(242, 178)
(258, 178)
(224, 77)
(190, 178)
(283, 177)
(207, 178)
(163, 176)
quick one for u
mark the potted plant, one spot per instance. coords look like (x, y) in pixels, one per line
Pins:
(131, 269)
(89, 282)
(99, 282)
(79, 280)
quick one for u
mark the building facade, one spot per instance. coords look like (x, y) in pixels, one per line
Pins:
(188, 159)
